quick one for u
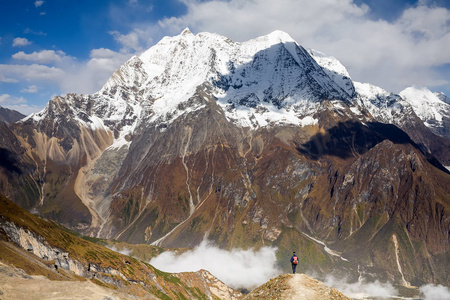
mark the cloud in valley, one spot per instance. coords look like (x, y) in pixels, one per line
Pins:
(124, 251)
(237, 268)
(383, 290)
(361, 289)
(433, 292)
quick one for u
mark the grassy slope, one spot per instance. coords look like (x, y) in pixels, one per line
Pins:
(153, 281)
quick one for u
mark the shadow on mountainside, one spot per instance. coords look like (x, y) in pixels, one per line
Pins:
(9, 162)
(349, 139)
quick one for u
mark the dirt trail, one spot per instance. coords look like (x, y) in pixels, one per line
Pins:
(295, 287)
(307, 288)
(16, 284)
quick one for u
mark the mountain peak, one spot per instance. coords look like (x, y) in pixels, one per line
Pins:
(280, 36)
(186, 31)
(432, 108)
(276, 37)
(419, 95)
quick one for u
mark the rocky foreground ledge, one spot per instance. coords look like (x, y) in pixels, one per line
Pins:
(295, 286)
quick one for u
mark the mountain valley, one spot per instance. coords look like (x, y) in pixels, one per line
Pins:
(253, 144)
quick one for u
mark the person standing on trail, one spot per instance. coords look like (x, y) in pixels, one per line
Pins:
(294, 262)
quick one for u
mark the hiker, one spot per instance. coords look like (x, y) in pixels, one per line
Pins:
(294, 262)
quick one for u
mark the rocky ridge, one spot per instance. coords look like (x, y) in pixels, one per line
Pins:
(9, 116)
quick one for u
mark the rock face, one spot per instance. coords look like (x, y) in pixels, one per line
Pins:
(245, 144)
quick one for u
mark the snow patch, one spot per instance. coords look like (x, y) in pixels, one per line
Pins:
(118, 144)
(96, 123)
(328, 250)
(369, 91)
(329, 62)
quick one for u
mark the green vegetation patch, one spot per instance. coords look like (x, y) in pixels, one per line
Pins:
(167, 277)
(197, 293)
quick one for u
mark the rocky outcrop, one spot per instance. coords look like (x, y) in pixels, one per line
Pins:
(36, 244)
(297, 286)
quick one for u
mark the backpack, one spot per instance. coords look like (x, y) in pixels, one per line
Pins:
(295, 260)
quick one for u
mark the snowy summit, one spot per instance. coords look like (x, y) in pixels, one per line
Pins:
(264, 81)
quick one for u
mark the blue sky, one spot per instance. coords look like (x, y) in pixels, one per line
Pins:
(54, 47)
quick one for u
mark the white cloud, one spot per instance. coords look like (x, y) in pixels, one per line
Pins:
(128, 41)
(433, 292)
(69, 75)
(30, 90)
(89, 77)
(29, 31)
(18, 104)
(106, 60)
(38, 3)
(32, 72)
(237, 268)
(5, 98)
(20, 42)
(6, 79)
(43, 57)
(134, 41)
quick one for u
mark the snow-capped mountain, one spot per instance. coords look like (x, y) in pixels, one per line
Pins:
(384, 106)
(245, 144)
(267, 80)
(270, 79)
(335, 70)
(432, 108)
(410, 110)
